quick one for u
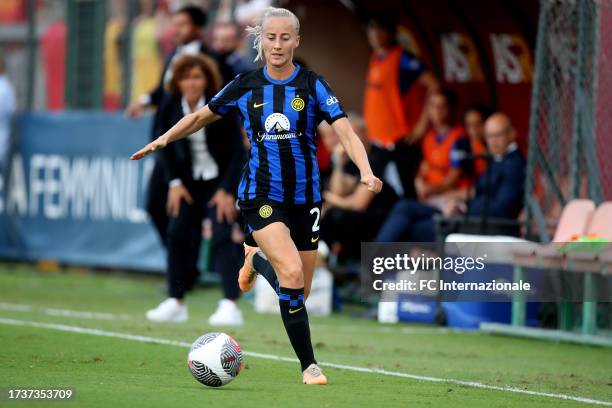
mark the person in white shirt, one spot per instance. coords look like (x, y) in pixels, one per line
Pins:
(188, 23)
(203, 172)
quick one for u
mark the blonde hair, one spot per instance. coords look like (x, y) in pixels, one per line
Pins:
(257, 30)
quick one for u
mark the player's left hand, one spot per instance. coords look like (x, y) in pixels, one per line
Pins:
(225, 203)
(373, 183)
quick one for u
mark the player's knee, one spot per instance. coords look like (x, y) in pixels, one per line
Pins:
(290, 274)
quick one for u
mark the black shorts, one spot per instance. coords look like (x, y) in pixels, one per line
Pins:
(301, 219)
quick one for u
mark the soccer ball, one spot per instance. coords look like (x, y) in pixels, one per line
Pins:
(215, 359)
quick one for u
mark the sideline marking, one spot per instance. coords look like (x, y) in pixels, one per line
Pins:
(81, 314)
(155, 340)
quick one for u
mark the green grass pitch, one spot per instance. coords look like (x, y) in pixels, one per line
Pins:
(106, 371)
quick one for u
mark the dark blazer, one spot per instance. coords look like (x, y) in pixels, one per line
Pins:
(223, 139)
(504, 184)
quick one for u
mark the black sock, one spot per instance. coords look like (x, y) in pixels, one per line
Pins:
(295, 319)
(265, 269)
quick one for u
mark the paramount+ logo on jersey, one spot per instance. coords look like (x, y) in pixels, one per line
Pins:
(278, 127)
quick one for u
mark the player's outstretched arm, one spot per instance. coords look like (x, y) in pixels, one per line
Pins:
(355, 150)
(187, 125)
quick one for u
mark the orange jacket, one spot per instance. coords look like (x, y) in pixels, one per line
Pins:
(437, 155)
(384, 111)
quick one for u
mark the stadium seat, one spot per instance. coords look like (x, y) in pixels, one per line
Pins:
(574, 220)
(591, 263)
(600, 226)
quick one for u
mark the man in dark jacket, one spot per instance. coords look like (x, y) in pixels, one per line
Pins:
(499, 190)
(226, 40)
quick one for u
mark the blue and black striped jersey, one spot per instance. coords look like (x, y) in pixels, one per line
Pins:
(280, 118)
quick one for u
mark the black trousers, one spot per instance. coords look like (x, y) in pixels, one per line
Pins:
(407, 158)
(155, 201)
(184, 237)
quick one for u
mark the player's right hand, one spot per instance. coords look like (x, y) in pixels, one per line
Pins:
(157, 144)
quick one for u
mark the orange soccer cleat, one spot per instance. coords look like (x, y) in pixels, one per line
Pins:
(314, 376)
(247, 274)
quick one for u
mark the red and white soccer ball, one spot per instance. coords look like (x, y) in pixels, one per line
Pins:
(215, 359)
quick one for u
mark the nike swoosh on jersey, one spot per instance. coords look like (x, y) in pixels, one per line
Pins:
(313, 240)
(259, 105)
(292, 311)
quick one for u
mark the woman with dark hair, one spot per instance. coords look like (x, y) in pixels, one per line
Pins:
(445, 149)
(203, 170)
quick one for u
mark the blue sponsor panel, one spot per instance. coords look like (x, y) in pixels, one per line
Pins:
(409, 309)
(70, 193)
(469, 315)
(495, 306)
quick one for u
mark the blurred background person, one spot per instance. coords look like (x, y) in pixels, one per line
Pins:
(147, 64)
(246, 13)
(445, 150)
(352, 214)
(396, 89)
(473, 120)
(188, 23)
(8, 106)
(442, 176)
(499, 191)
(226, 42)
(204, 170)
(114, 35)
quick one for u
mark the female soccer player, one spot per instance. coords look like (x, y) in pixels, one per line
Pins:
(279, 194)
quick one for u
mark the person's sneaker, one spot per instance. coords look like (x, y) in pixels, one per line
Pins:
(170, 310)
(227, 314)
(314, 376)
(247, 274)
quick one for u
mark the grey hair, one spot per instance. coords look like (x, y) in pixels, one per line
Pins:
(257, 30)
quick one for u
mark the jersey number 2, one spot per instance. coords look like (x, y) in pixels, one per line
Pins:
(315, 225)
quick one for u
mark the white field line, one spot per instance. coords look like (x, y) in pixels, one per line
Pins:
(82, 314)
(85, 315)
(146, 339)
(13, 307)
